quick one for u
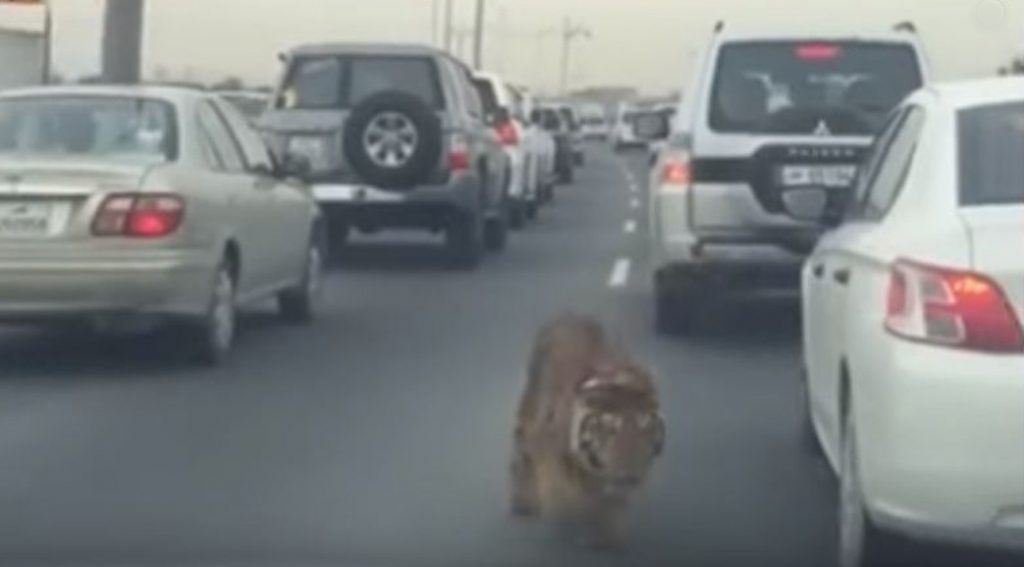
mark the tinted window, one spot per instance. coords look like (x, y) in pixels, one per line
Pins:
(413, 75)
(253, 148)
(224, 144)
(844, 88)
(487, 95)
(313, 82)
(97, 127)
(894, 166)
(992, 155)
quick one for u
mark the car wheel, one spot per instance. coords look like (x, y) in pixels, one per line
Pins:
(531, 210)
(496, 234)
(516, 214)
(393, 140)
(809, 442)
(567, 176)
(211, 337)
(465, 240)
(299, 304)
(675, 311)
(861, 544)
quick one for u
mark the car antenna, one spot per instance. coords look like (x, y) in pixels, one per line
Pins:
(719, 26)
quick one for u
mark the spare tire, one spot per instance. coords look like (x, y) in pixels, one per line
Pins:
(393, 140)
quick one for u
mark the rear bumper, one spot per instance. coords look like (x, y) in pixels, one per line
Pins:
(172, 283)
(942, 445)
(461, 192)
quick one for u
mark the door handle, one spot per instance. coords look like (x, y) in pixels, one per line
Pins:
(842, 277)
(818, 270)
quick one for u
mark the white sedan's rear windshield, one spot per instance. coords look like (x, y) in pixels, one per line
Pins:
(992, 155)
(810, 87)
(88, 127)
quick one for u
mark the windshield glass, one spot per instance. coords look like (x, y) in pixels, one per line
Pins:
(322, 82)
(840, 88)
(88, 127)
(992, 155)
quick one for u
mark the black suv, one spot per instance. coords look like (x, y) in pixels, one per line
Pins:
(396, 138)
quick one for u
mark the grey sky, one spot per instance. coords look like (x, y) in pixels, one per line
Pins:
(639, 42)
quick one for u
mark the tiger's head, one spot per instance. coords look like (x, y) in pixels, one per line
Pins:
(618, 432)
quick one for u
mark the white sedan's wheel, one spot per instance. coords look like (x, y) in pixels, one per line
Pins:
(213, 335)
(861, 544)
(300, 303)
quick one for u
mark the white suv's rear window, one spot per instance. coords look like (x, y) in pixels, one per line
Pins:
(992, 155)
(812, 87)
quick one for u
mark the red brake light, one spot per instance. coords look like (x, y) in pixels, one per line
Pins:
(507, 133)
(139, 216)
(677, 171)
(818, 51)
(951, 307)
(458, 155)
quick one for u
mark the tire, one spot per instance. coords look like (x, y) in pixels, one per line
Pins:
(337, 237)
(531, 209)
(580, 159)
(567, 176)
(299, 304)
(465, 240)
(810, 445)
(861, 544)
(496, 234)
(516, 214)
(675, 310)
(406, 133)
(210, 337)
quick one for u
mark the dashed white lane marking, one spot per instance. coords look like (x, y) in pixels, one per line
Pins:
(635, 203)
(630, 227)
(634, 189)
(620, 273)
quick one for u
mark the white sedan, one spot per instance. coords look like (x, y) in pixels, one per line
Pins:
(913, 303)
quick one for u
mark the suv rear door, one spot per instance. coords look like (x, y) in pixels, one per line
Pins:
(788, 113)
(318, 92)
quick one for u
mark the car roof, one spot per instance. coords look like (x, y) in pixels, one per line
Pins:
(734, 35)
(168, 93)
(346, 48)
(978, 92)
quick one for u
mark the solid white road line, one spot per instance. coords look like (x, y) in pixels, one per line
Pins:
(620, 273)
(630, 227)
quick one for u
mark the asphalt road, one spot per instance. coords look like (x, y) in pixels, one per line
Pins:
(380, 436)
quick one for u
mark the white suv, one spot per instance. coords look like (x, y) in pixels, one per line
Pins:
(764, 113)
(913, 347)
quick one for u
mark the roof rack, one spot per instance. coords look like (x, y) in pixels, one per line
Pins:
(905, 26)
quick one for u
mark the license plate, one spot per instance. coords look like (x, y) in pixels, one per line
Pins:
(838, 176)
(312, 149)
(25, 220)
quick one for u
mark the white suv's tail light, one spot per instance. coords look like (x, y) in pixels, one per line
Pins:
(458, 155)
(139, 215)
(950, 307)
(677, 171)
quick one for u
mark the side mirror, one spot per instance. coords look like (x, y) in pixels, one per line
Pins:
(651, 127)
(537, 117)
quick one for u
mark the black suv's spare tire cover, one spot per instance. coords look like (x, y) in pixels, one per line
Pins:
(392, 140)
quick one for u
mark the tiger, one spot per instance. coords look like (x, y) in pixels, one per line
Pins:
(588, 431)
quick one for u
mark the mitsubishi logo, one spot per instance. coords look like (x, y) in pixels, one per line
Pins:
(822, 129)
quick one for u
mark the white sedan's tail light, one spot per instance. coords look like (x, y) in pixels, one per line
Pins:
(139, 216)
(951, 307)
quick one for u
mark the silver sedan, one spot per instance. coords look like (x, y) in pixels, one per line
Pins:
(129, 201)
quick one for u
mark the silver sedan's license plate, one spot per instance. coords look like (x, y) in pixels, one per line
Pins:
(818, 175)
(25, 220)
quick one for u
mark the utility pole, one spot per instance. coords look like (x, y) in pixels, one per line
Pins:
(448, 24)
(122, 41)
(478, 36)
(434, 8)
(570, 32)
